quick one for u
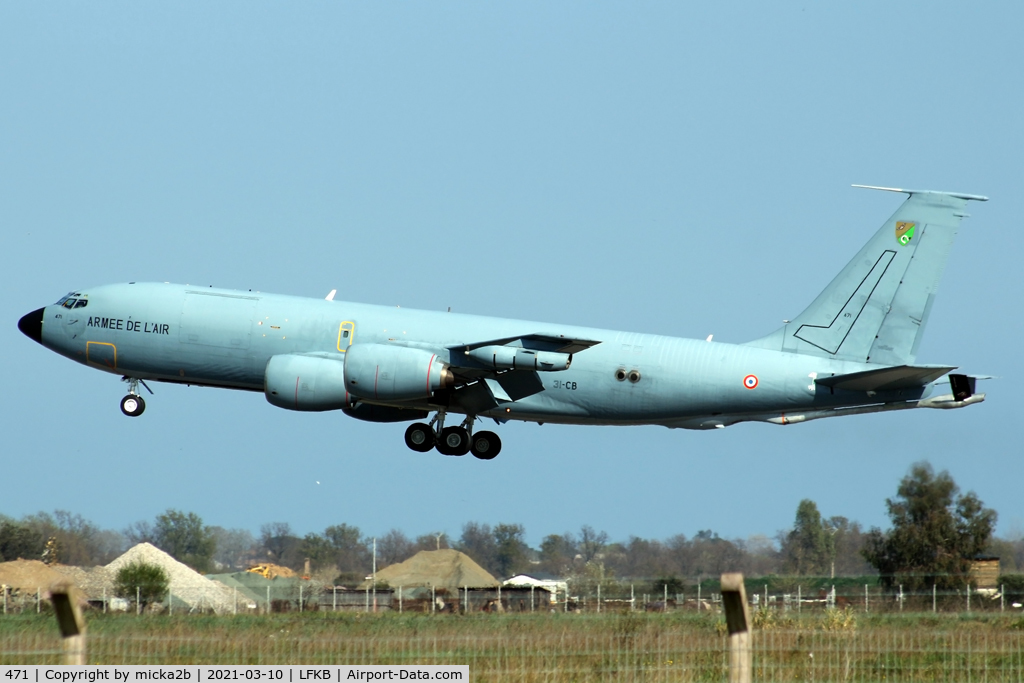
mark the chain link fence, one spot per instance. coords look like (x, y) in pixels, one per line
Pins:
(783, 594)
(813, 631)
(785, 597)
(630, 647)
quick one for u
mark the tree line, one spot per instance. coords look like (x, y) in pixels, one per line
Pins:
(936, 532)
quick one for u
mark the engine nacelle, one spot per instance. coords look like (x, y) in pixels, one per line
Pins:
(306, 383)
(383, 372)
(517, 358)
(371, 413)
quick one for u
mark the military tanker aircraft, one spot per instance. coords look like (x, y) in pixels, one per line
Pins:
(852, 351)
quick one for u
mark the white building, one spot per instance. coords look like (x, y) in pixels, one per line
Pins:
(553, 586)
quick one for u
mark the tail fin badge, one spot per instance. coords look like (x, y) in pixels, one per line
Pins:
(904, 232)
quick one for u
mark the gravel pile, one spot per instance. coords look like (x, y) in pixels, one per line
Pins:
(94, 582)
(186, 585)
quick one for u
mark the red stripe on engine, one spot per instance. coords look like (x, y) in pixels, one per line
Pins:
(429, 366)
(297, 391)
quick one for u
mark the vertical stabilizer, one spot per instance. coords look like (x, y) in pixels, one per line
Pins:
(876, 309)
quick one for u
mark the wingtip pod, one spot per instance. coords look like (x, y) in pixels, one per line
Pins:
(958, 195)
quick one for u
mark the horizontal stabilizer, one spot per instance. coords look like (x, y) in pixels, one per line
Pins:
(958, 195)
(886, 379)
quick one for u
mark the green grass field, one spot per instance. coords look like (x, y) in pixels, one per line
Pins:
(682, 646)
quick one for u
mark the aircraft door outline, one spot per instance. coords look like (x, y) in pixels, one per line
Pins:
(346, 331)
(101, 356)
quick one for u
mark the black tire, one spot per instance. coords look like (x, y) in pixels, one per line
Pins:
(419, 437)
(453, 441)
(132, 405)
(485, 445)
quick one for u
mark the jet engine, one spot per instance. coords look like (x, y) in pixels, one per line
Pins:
(383, 372)
(517, 358)
(311, 383)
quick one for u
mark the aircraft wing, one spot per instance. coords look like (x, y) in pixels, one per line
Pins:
(506, 370)
(558, 343)
(886, 379)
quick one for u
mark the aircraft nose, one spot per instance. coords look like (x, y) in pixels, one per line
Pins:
(31, 325)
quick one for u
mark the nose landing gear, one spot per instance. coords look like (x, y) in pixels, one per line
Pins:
(132, 405)
(452, 440)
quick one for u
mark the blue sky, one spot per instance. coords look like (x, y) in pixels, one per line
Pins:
(672, 168)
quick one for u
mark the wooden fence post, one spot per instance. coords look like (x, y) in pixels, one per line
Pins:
(737, 620)
(70, 622)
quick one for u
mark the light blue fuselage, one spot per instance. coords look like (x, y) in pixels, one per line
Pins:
(853, 350)
(224, 338)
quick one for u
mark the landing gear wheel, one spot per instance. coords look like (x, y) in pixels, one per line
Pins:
(453, 441)
(419, 437)
(485, 445)
(132, 405)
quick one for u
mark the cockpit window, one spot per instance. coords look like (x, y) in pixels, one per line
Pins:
(72, 301)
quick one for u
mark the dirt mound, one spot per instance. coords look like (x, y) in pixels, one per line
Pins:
(28, 575)
(439, 568)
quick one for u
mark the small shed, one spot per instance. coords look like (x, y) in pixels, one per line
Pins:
(985, 572)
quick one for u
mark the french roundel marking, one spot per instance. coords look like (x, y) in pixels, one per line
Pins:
(750, 381)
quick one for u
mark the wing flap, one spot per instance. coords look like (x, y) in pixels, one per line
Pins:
(489, 393)
(886, 379)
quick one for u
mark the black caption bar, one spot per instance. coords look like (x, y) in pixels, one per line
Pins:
(232, 672)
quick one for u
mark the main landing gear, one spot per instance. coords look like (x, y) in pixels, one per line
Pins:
(132, 405)
(459, 440)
